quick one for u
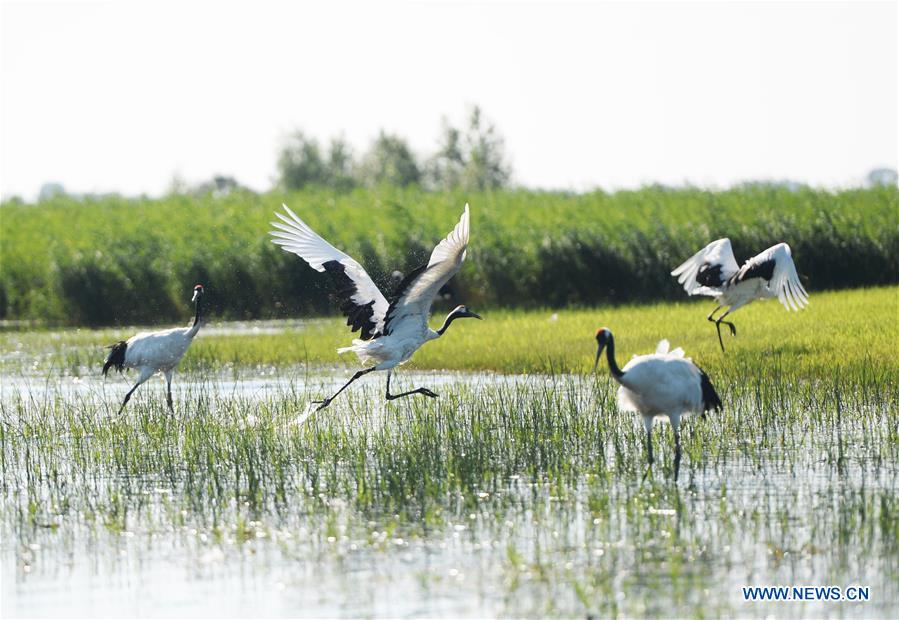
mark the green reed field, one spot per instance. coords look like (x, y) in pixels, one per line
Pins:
(512, 494)
(117, 261)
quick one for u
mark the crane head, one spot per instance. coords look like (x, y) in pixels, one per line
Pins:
(198, 292)
(461, 312)
(603, 337)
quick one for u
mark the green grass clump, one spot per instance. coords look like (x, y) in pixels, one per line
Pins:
(116, 261)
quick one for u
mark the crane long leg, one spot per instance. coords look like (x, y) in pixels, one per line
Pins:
(733, 328)
(718, 322)
(168, 392)
(711, 319)
(327, 401)
(144, 375)
(127, 398)
(647, 422)
(423, 391)
(711, 315)
(676, 452)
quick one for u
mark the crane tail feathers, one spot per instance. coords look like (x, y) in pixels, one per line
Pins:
(116, 357)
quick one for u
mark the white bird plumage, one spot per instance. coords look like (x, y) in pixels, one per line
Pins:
(713, 271)
(390, 332)
(662, 384)
(152, 352)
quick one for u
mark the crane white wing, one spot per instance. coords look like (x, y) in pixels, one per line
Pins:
(365, 306)
(705, 272)
(416, 294)
(776, 266)
(161, 349)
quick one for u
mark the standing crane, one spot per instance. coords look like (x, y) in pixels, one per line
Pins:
(152, 352)
(663, 384)
(713, 271)
(389, 332)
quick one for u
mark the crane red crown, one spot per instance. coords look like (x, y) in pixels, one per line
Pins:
(600, 331)
(198, 287)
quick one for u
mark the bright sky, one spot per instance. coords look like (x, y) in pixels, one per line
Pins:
(121, 96)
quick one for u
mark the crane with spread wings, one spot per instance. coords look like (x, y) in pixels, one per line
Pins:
(390, 332)
(713, 271)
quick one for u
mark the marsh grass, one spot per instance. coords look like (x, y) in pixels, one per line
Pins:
(512, 494)
(531, 488)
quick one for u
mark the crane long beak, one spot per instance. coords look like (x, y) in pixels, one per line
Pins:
(598, 354)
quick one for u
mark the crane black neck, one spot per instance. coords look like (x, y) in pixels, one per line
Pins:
(452, 316)
(198, 303)
(610, 356)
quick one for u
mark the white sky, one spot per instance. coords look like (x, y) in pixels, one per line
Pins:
(120, 96)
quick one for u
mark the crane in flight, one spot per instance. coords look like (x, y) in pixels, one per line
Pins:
(390, 332)
(713, 271)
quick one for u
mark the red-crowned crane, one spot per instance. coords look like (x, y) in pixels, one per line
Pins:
(389, 332)
(713, 271)
(152, 352)
(663, 384)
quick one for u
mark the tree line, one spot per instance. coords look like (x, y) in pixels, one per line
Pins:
(472, 158)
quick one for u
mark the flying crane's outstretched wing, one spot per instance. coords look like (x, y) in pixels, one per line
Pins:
(775, 266)
(364, 305)
(705, 272)
(417, 292)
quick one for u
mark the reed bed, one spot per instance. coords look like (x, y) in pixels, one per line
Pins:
(115, 261)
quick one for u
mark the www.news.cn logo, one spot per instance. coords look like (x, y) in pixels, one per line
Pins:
(805, 593)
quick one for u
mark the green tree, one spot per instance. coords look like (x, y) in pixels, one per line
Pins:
(446, 168)
(474, 160)
(340, 166)
(389, 161)
(300, 163)
(218, 185)
(303, 163)
(486, 166)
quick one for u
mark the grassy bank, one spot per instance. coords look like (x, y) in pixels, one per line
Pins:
(842, 332)
(117, 261)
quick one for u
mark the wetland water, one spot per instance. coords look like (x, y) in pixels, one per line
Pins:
(509, 495)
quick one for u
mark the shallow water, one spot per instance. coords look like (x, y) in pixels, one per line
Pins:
(252, 386)
(428, 507)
